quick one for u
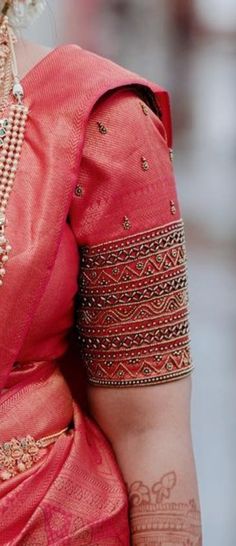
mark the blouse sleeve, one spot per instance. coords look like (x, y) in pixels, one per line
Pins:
(132, 308)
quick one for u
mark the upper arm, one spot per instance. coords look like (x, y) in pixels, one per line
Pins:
(121, 412)
(132, 309)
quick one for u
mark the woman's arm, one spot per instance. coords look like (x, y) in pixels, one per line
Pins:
(132, 319)
(149, 429)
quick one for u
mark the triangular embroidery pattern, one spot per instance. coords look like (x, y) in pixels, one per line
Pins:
(151, 266)
(132, 316)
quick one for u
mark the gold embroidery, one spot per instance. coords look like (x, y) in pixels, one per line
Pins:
(102, 128)
(144, 108)
(78, 191)
(126, 223)
(132, 316)
(172, 208)
(145, 164)
(171, 154)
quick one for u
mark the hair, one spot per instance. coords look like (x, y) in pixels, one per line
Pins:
(21, 12)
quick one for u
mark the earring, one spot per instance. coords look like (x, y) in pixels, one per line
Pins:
(22, 12)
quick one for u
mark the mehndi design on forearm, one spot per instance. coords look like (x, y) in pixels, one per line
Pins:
(157, 521)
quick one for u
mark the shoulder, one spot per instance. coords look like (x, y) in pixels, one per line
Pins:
(97, 68)
(96, 75)
(124, 119)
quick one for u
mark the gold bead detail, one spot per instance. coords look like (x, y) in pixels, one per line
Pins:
(126, 223)
(78, 191)
(102, 128)
(144, 163)
(144, 108)
(172, 208)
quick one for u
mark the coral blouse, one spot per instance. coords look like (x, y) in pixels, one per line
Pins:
(121, 261)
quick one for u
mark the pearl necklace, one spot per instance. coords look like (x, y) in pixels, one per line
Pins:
(13, 124)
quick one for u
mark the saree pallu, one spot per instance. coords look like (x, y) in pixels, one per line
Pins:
(74, 494)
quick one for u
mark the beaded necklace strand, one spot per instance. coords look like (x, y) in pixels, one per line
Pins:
(13, 118)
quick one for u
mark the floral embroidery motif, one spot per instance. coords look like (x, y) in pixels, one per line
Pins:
(132, 315)
(126, 223)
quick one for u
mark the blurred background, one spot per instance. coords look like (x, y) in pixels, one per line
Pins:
(188, 46)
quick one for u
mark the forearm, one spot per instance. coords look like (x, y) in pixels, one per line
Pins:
(149, 429)
(159, 470)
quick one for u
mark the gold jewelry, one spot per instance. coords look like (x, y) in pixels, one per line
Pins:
(22, 12)
(6, 6)
(13, 117)
(19, 454)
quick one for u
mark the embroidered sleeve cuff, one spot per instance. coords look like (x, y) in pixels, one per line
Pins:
(132, 318)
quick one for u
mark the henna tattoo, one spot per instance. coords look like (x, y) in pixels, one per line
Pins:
(157, 521)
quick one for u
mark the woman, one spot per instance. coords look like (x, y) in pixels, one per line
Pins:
(93, 273)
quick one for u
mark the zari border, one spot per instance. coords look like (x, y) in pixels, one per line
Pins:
(142, 382)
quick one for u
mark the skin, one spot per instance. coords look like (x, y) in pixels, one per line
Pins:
(149, 429)
(28, 55)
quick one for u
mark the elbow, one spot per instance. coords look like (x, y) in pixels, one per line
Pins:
(138, 412)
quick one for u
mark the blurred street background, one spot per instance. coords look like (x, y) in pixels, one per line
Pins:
(189, 47)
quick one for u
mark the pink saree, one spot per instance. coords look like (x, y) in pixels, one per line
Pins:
(73, 493)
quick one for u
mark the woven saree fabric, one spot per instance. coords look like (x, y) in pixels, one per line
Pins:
(96, 282)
